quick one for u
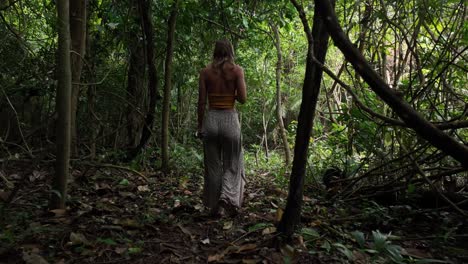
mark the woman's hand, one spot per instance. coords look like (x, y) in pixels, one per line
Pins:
(199, 134)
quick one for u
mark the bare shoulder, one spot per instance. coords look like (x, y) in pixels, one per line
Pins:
(238, 70)
(203, 71)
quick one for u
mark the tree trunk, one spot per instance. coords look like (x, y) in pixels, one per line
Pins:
(63, 102)
(135, 93)
(167, 87)
(318, 46)
(279, 115)
(78, 43)
(144, 8)
(91, 98)
(411, 117)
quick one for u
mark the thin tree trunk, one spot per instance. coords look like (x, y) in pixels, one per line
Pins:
(279, 116)
(135, 86)
(148, 31)
(317, 46)
(167, 87)
(410, 116)
(59, 194)
(78, 44)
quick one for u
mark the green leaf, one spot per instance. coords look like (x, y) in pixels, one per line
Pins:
(309, 233)
(411, 188)
(124, 182)
(56, 192)
(326, 245)
(359, 237)
(245, 22)
(134, 250)
(343, 249)
(107, 241)
(258, 226)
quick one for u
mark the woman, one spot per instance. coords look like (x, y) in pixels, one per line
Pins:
(222, 83)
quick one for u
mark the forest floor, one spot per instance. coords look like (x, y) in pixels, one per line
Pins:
(116, 216)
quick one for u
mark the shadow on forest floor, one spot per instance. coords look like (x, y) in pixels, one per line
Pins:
(117, 217)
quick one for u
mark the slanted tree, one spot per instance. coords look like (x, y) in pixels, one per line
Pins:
(317, 46)
(63, 102)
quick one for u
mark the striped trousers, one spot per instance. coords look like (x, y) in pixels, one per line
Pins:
(224, 162)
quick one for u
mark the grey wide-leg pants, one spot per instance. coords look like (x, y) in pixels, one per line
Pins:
(224, 161)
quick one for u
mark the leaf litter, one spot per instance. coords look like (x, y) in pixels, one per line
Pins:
(120, 218)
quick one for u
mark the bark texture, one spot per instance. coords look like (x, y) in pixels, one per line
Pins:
(167, 87)
(279, 115)
(317, 46)
(78, 17)
(63, 102)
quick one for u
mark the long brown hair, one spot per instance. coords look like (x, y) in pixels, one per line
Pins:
(223, 52)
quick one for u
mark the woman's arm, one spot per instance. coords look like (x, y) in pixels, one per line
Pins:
(201, 99)
(240, 85)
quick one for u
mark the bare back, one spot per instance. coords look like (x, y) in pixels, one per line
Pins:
(226, 86)
(227, 82)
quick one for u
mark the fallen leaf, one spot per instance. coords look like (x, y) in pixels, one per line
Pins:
(414, 252)
(15, 176)
(36, 175)
(301, 242)
(279, 214)
(134, 250)
(120, 250)
(143, 188)
(316, 223)
(128, 222)
(269, 230)
(78, 239)
(33, 258)
(287, 250)
(127, 194)
(58, 212)
(216, 257)
(246, 247)
(102, 186)
(185, 231)
(183, 183)
(227, 225)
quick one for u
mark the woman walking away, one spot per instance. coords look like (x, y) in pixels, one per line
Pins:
(222, 82)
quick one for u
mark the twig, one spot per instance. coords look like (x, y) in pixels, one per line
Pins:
(105, 165)
(425, 237)
(224, 27)
(19, 124)
(453, 205)
(8, 183)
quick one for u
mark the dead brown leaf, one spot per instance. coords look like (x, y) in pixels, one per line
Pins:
(78, 239)
(414, 252)
(33, 258)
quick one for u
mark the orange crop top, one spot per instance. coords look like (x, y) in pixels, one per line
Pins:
(221, 101)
